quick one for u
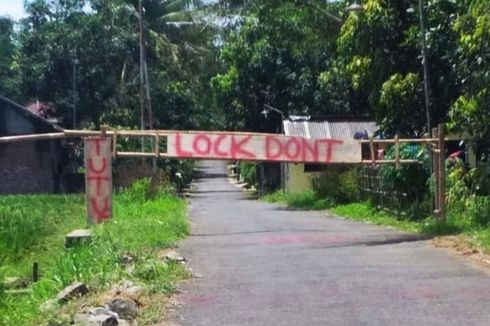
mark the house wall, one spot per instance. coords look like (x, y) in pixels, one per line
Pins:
(27, 167)
(297, 179)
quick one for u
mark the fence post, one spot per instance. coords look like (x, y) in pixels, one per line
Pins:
(397, 152)
(98, 177)
(435, 168)
(371, 150)
(442, 172)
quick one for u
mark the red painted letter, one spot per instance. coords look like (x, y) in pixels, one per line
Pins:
(330, 143)
(297, 149)
(178, 147)
(201, 139)
(217, 144)
(236, 148)
(311, 149)
(103, 213)
(92, 168)
(270, 142)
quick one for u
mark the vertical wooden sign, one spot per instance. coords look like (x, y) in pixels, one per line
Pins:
(98, 178)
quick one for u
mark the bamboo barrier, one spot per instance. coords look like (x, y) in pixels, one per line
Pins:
(400, 161)
(20, 138)
(405, 140)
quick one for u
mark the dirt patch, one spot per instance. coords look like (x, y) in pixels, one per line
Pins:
(461, 245)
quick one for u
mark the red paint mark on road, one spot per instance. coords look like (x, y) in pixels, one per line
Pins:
(302, 239)
(200, 300)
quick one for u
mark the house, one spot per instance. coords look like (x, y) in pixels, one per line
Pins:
(44, 110)
(30, 166)
(297, 176)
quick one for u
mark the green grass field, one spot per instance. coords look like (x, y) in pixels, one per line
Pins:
(32, 228)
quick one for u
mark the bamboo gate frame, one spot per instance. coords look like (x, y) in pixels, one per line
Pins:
(437, 142)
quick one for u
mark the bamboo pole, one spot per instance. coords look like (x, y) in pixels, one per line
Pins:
(13, 139)
(407, 161)
(114, 144)
(405, 140)
(135, 154)
(442, 172)
(397, 152)
(371, 149)
(123, 133)
(157, 144)
(435, 159)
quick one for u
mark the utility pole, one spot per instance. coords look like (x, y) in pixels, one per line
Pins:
(425, 65)
(145, 100)
(142, 74)
(74, 86)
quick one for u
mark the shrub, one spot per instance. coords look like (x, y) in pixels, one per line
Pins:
(409, 182)
(248, 172)
(338, 183)
(467, 197)
(480, 210)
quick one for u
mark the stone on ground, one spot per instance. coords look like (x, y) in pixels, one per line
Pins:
(74, 290)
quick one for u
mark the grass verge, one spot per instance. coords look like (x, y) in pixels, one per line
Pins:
(475, 236)
(306, 200)
(32, 228)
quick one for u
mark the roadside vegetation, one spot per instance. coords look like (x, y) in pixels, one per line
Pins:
(402, 198)
(128, 248)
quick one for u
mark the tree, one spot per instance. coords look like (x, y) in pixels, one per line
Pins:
(9, 78)
(279, 50)
(379, 54)
(90, 60)
(470, 113)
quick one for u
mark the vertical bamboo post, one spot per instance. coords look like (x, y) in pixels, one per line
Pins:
(114, 144)
(157, 144)
(103, 131)
(397, 152)
(371, 149)
(435, 160)
(442, 172)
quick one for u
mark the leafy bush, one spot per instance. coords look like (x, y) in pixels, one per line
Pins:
(409, 181)
(248, 172)
(480, 210)
(339, 183)
(467, 194)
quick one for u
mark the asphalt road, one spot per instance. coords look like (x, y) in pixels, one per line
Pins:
(261, 264)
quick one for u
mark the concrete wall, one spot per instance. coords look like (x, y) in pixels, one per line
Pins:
(27, 167)
(297, 179)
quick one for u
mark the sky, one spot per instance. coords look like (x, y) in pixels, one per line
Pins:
(12, 8)
(15, 8)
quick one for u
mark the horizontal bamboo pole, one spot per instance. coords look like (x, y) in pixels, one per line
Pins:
(123, 133)
(135, 154)
(391, 162)
(392, 141)
(19, 138)
(405, 140)
(140, 154)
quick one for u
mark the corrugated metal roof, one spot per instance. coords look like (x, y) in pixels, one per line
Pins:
(328, 129)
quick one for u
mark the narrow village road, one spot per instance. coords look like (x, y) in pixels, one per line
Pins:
(261, 264)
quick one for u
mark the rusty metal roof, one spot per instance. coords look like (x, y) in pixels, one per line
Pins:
(344, 129)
